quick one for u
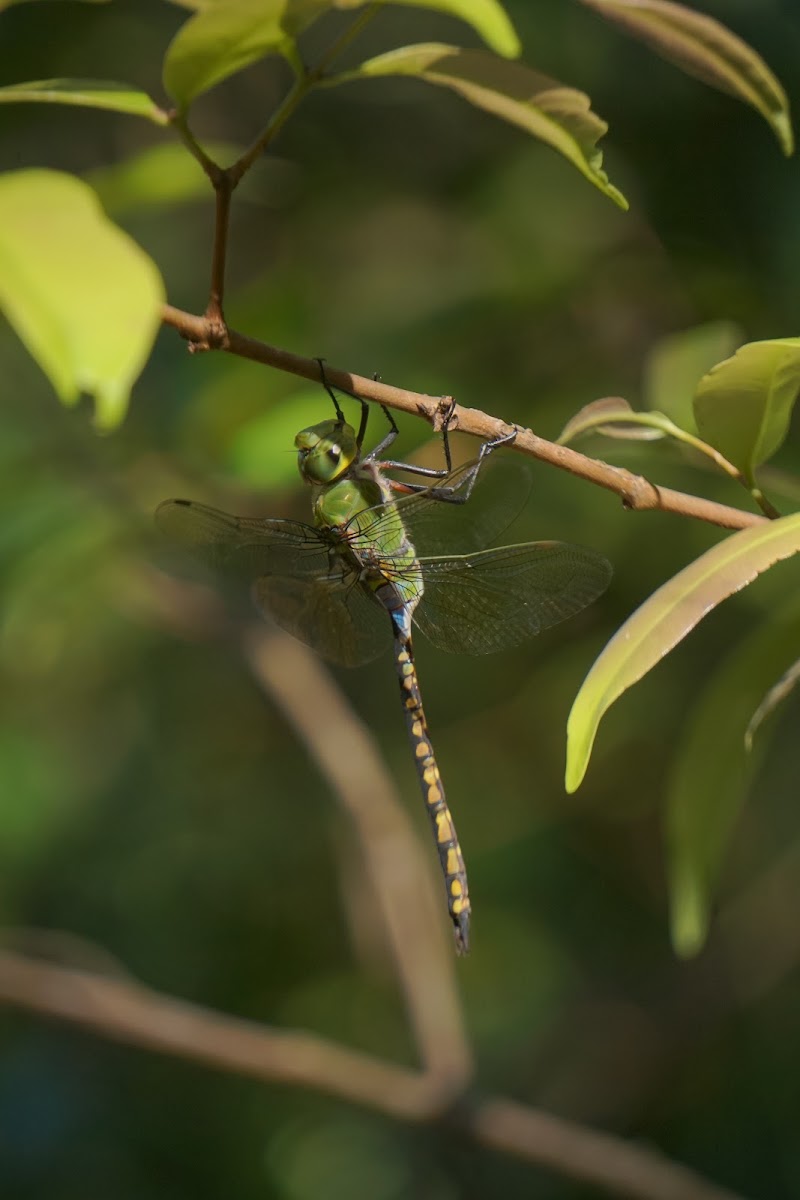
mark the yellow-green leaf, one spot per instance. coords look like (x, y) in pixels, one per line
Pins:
(678, 360)
(86, 93)
(487, 17)
(712, 771)
(613, 417)
(744, 404)
(665, 619)
(705, 48)
(81, 295)
(222, 39)
(559, 116)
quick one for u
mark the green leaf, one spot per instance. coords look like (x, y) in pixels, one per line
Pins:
(86, 93)
(81, 295)
(665, 619)
(222, 39)
(487, 17)
(557, 115)
(743, 405)
(677, 361)
(613, 417)
(712, 771)
(708, 50)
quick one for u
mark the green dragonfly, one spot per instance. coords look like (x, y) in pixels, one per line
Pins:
(343, 584)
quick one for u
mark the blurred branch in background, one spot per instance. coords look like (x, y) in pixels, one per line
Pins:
(346, 754)
(134, 1014)
(124, 1010)
(635, 491)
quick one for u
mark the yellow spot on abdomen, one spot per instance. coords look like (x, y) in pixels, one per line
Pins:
(416, 729)
(423, 749)
(453, 866)
(434, 794)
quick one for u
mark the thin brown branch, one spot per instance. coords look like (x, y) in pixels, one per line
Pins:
(136, 1015)
(179, 122)
(296, 94)
(346, 754)
(635, 491)
(223, 187)
(304, 83)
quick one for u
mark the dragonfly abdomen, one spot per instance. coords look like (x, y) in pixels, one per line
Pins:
(444, 830)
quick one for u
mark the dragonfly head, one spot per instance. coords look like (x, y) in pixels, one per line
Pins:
(325, 451)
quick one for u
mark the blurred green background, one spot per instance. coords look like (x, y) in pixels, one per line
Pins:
(155, 809)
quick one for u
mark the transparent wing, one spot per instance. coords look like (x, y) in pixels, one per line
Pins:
(435, 526)
(337, 618)
(297, 578)
(244, 546)
(497, 599)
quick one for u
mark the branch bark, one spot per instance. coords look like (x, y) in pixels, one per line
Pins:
(131, 1013)
(635, 491)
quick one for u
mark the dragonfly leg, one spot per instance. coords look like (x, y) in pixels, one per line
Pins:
(409, 467)
(462, 492)
(329, 390)
(444, 830)
(385, 442)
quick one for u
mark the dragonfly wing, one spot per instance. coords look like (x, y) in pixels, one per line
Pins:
(497, 599)
(243, 546)
(435, 526)
(336, 617)
(296, 576)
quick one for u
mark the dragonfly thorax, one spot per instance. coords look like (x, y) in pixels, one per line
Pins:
(326, 451)
(345, 503)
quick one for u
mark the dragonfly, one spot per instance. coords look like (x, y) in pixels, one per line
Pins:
(378, 560)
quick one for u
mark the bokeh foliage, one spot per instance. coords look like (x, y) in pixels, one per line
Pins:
(156, 810)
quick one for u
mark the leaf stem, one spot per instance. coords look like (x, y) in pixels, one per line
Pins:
(179, 122)
(226, 179)
(303, 84)
(661, 422)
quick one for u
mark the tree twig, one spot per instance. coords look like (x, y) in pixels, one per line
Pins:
(635, 491)
(225, 180)
(134, 1014)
